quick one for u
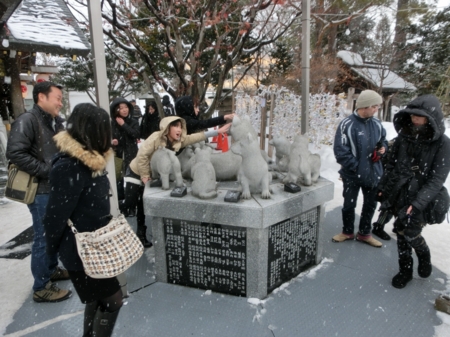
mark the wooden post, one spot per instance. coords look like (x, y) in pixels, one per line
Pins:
(350, 94)
(18, 105)
(262, 133)
(272, 107)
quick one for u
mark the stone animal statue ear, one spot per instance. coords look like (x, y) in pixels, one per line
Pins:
(197, 150)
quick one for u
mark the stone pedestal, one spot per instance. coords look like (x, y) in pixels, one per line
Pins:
(246, 248)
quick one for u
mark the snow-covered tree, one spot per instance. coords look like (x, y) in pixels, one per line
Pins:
(427, 54)
(78, 75)
(187, 46)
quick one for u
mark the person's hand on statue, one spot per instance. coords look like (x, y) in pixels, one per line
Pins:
(229, 117)
(224, 129)
(145, 180)
(114, 142)
(120, 121)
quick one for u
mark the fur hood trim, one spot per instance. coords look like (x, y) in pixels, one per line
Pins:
(94, 160)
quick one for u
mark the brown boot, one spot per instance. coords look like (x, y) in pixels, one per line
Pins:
(51, 294)
(341, 237)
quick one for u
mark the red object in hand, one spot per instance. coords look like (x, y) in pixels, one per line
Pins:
(375, 156)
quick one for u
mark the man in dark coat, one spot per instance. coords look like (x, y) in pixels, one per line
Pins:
(31, 147)
(412, 185)
(359, 143)
(185, 108)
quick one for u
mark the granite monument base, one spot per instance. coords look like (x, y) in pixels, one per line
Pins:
(245, 248)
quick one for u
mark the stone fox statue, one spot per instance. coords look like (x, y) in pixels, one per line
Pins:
(254, 175)
(304, 167)
(226, 165)
(163, 163)
(241, 127)
(203, 175)
(283, 149)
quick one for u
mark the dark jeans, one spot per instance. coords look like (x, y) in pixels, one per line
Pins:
(350, 194)
(42, 265)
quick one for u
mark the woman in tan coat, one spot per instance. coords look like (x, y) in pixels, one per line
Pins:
(173, 136)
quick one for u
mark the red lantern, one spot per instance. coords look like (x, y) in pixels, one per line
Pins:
(40, 80)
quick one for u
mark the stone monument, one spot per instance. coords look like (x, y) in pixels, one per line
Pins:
(247, 248)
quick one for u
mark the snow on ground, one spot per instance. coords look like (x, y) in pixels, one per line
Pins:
(16, 279)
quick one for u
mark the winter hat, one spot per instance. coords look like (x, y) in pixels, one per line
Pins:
(185, 106)
(368, 98)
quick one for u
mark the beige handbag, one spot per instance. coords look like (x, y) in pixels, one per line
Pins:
(20, 186)
(110, 250)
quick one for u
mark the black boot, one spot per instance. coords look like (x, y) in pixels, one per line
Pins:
(405, 263)
(89, 314)
(424, 257)
(104, 323)
(405, 275)
(142, 235)
(378, 230)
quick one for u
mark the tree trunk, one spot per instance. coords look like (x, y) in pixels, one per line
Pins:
(400, 33)
(332, 33)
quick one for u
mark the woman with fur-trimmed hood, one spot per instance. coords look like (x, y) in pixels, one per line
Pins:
(412, 185)
(173, 136)
(80, 192)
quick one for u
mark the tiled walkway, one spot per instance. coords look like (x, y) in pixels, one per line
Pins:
(348, 294)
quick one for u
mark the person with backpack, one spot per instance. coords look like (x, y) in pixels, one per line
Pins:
(412, 185)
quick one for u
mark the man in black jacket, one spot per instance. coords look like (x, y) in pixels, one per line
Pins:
(31, 148)
(412, 185)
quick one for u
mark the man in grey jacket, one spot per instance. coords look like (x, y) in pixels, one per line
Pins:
(31, 148)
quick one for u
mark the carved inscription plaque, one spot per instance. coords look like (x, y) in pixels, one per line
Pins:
(207, 256)
(292, 247)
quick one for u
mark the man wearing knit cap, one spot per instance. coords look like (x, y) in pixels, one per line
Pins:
(359, 143)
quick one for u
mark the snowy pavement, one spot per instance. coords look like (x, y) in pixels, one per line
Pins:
(347, 294)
